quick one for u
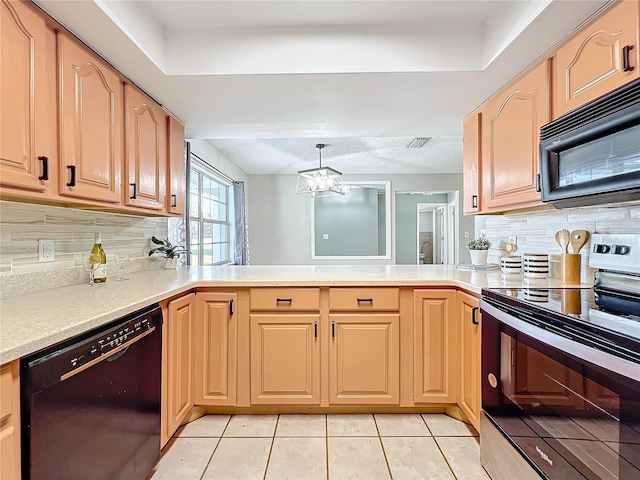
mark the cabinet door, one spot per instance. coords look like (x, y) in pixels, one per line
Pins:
(364, 358)
(435, 346)
(285, 359)
(179, 343)
(146, 151)
(469, 398)
(511, 134)
(27, 99)
(471, 152)
(10, 421)
(598, 59)
(176, 179)
(90, 102)
(216, 349)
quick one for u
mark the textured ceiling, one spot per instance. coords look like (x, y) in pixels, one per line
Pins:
(348, 155)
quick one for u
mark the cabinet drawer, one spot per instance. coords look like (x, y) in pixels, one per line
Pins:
(6, 393)
(364, 299)
(283, 299)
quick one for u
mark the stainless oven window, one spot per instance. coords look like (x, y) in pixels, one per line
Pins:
(605, 157)
(569, 418)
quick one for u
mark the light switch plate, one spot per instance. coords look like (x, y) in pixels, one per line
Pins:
(325, 236)
(45, 251)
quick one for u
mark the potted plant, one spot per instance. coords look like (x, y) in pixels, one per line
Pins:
(479, 249)
(170, 252)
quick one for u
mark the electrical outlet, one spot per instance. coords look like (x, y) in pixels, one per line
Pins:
(483, 232)
(513, 239)
(45, 251)
(325, 236)
(466, 234)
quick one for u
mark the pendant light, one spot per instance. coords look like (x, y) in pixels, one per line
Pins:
(319, 182)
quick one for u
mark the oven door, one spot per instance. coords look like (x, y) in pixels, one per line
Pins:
(572, 411)
(592, 155)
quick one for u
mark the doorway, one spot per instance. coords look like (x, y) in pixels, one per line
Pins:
(434, 231)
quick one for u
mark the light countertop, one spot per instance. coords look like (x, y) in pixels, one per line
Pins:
(35, 321)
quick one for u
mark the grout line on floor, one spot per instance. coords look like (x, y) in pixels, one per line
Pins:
(273, 439)
(216, 447)
(445, 458)
(384, 453)
(426, 424)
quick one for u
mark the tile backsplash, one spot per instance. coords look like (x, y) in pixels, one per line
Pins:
(535, 231)
(72, 230)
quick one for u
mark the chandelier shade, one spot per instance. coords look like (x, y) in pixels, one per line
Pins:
(321, 181)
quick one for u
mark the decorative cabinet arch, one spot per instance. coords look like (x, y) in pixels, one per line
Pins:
(90, 124)
(146, 151)
(28, 154)
(598, 59)
(512, 134)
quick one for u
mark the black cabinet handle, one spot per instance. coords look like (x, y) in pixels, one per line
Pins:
(45, 168)
(474, 201)
(174, 201)
(626, 62)
(365, 300)
(72, 182)
(315, 329)
(135, 191)
(284, 300)
(231, 308)
(333, 329)
(538, 183)
(474, 311)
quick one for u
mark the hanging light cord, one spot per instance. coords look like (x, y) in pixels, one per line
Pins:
(320, 146)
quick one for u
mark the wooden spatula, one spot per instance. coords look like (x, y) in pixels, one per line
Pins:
(578, 240)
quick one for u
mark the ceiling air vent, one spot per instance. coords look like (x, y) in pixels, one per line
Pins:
(418, 142)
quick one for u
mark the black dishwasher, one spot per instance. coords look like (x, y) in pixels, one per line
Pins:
(91, 405)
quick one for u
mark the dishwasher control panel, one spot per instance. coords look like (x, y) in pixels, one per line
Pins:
(111, 340)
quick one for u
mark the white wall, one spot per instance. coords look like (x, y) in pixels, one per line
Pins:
(280, 220)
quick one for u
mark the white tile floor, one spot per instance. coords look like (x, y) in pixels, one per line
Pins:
(333, 447)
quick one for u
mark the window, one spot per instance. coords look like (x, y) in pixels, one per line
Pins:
(210, 210)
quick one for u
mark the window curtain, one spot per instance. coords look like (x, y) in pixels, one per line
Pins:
(241, 256)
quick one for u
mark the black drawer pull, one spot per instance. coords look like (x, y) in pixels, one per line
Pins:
(626, 62)
(174, 201)
(135, 191)
(231, 308)
(45, 168)
(284, 300)
(365, 300)
(333, 329)
(315, 329)
(72, 182)
(474, 201)
(474, 311)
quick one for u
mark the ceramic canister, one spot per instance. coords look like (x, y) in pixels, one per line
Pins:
(511, 265)
(535, 265)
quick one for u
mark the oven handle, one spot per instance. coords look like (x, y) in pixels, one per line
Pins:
(95, 361)
(602, 359)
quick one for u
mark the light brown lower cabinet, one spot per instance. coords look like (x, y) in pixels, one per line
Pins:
(364, 358)
(10, 421)
(216, 335)
(469, 389)
(177, 352)
(436, 353)
(285, 359)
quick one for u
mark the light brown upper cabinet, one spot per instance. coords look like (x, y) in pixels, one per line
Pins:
(436, 360)
(511, 134)
(471, 155)
(90, 102)
(28, 147)
(176, 179)
(145, 151)
(599, 58)
(216, 345)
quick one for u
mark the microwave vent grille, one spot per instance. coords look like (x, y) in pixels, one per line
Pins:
(625, 97)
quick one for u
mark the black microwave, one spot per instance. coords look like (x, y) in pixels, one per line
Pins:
(591, 155)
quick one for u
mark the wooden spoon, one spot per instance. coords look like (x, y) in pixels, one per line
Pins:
(562, 238)
(578, 240)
